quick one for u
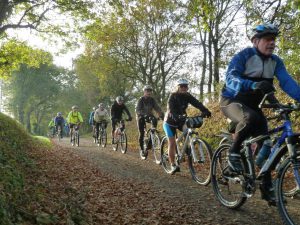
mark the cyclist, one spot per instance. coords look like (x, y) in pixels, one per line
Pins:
(92, 121)
(176, 109)
(144, 110)
(100, 116)
(249, 76)
(59, 121)
(51, 126)
(116, 112)
(74, 119)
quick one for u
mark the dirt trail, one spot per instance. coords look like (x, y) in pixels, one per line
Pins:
(154, 197)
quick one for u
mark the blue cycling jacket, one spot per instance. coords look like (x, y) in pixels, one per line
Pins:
(91, 119)
(249, 66)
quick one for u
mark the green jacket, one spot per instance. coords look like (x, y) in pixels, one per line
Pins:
(74, 117)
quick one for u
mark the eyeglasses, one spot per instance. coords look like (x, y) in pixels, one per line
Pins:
(183, 86)
(148, 90)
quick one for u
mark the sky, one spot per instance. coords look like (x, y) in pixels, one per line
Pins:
(63, 60)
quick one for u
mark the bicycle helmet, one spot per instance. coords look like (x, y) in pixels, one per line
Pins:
(74, 107)
(119, 99)
(182, 81)
(59, 114)
(101, 105)
(262, 30)
(147, 88)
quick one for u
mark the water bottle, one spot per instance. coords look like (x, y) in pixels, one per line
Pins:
(263, 153)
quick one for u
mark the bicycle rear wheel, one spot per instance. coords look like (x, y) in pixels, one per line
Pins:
(165, 155)
(200, 161)
(228, 190)
(123, 142)
(287, 183)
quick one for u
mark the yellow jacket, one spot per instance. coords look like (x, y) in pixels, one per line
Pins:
(74, 117)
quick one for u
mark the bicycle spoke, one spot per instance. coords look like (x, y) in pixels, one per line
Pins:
(200, 161)
(228, 191)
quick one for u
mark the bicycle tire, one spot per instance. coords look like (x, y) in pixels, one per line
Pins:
(103, 138)
(123, 142)
(77, 139)
(156, 147)
(200, 166)
(164, 152)
(145, 154)
(288, 207)
(221, 184)
(59, 134)
(73, 139)
(115, 144)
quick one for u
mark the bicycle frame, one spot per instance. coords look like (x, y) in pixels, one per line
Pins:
(152, 131)
(188, 134)
(278, 150)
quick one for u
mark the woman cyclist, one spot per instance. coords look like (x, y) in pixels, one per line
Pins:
(177, 105)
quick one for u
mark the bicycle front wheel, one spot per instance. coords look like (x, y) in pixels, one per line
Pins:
(228, 190)
(123, 142)
(164, 155)
(288, 207)
(156, 147)
(103, 138)
(77, 139)
(200, 161)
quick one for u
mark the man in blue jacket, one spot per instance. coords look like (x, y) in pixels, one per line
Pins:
(249, 76)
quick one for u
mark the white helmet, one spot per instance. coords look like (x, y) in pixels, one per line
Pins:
(74, 107)
(119, 99)
(147, 87)
(101, 105)
(182, 81)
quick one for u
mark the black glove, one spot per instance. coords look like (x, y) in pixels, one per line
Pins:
(272, 99)
(206, 114)
(264, 86)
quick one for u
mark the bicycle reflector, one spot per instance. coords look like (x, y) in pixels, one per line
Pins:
(194, 122)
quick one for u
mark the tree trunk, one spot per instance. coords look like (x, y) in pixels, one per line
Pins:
(210, 63)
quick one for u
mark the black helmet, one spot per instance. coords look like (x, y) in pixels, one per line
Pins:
(182, 81)
(264, 29)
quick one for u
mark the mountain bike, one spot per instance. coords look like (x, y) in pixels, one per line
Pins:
(151, 141)
(75, 135)
(120, 137)
(102, 137)
(192, 149)
(233, 191)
